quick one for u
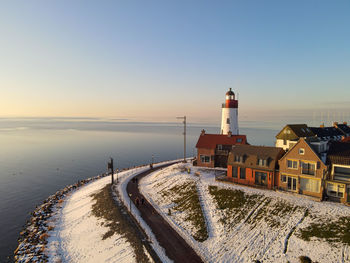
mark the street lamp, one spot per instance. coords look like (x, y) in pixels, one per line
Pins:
(117, 175)
(110, 169)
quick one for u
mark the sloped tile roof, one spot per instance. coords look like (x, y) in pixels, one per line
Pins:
(344, 129)
(297, 131)
(339, 153)
(251, 154)
(326, 131)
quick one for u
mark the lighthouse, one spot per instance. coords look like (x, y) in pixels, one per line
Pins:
(229, 120)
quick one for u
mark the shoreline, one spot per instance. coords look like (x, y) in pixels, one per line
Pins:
(32, 238)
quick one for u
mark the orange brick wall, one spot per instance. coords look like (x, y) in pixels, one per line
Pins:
(250, 177)
(208, 152)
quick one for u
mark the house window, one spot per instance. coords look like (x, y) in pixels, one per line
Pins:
(292, 164)
(234, 171)
(262, 162)
(219, 146)
(242, 175)
(301, 151)
(341, 173)
(284, 142)
(238, 159)
(308, 168)
(283, 178)
(228, 121)
(239, 140)
(291, 183)
(335, 190)
(310, 185)
(205, 159)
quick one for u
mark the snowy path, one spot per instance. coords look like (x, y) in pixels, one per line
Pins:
(207, 207)
(77, 236)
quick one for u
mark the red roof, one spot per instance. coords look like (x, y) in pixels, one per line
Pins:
(210, 141)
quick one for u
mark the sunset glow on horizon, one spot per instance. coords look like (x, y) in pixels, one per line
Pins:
(156, 60)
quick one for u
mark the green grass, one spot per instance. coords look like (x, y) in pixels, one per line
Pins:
(235, 204)
(185, 198)
(274, 212)
(332, 231)
(105, 207)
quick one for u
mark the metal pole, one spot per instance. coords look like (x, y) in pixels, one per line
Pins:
(112, 170)
(184, 133)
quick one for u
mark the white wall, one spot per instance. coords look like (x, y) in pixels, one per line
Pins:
(232, 114)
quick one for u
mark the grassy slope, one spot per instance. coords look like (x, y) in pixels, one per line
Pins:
(105, 207)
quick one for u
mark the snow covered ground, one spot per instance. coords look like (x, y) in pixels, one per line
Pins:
(77, 234)
(265, 228)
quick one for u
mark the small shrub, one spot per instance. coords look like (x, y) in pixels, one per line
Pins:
(305, 259)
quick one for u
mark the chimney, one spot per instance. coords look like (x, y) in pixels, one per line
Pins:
(322, 125)
(229, 134)
(202, 132)
(335, 124)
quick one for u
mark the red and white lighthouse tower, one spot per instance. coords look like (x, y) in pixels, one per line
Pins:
(229, 120)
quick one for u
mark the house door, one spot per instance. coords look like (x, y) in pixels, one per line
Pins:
(292, 183)
(348, 198)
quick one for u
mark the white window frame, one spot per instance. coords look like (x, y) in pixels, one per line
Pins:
(338, 165)
(283, 178)
(340, 189)
(293, 162)
(203, 158)
(301, 151)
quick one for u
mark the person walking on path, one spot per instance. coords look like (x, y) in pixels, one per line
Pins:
(142, 200)
(137, 201)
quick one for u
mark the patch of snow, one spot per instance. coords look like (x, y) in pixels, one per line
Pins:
(77, 236)
(246, 241)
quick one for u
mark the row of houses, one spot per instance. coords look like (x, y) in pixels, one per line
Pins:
(291, 133)
(313, 165)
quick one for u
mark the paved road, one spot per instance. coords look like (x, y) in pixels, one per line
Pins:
(175, 246)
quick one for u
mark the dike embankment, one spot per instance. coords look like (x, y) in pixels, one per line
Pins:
(32, 239)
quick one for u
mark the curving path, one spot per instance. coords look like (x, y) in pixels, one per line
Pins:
(175, 246)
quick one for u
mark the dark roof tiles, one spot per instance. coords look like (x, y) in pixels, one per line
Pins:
(251, 154)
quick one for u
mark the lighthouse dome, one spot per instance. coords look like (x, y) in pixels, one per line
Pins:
(230, 93)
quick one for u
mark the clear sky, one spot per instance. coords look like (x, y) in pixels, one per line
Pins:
(153, 60)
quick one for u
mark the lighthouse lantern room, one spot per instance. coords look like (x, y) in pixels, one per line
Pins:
(229, 120)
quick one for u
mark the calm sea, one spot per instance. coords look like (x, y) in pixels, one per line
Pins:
(40, 156)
